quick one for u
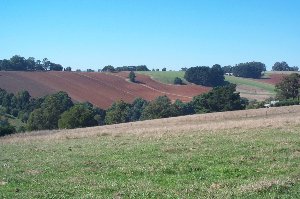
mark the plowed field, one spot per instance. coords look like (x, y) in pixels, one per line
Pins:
(101, 89)
(273, 78)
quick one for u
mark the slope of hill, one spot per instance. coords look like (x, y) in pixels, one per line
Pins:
(249, 154)
(101, 89)
(258, 89)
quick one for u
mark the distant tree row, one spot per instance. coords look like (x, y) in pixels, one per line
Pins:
(248, 67)
(58, 111)
(283, 66)
(18, 63)
(110, 68)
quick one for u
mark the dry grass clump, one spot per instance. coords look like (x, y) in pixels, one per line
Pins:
(275, 117)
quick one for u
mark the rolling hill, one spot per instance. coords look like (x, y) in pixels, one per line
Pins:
(101, 89)
(259, 89)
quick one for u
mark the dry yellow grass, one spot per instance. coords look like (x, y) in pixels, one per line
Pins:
(275, 117)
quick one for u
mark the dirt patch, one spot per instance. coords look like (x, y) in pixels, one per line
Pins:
(272, 78)
(251, 92)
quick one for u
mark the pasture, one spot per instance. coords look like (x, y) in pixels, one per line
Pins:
(239, 154)
(259, 89)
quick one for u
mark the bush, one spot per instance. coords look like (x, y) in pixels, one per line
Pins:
(289, 102)
(132, 76)
(7, 130)
(119, 112)
(161, 107)
(219, 99)
(178, 81)
(78, 116)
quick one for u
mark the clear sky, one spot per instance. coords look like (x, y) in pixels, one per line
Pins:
(158, 33)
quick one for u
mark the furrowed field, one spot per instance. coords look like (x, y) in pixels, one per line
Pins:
(240, 154)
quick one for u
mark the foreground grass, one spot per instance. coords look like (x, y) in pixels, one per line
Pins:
(253, 163)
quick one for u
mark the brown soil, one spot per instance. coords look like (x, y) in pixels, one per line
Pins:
(101, 89)
(272, 79)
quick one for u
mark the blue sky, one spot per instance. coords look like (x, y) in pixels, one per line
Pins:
(158, 33)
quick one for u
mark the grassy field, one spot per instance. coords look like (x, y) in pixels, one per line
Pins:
(242, 154)
(166, 77)
(250, 82)
(248, 88)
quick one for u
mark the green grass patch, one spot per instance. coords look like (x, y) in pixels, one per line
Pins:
(258, 163)
(250, 82)
(166, 77)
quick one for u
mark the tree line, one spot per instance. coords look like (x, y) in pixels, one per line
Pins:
(18, 63)
(57, 111)
(245, 69)
(125, 68)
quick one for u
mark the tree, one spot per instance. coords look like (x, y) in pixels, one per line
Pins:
(68, 69)
(138, 106)
(184, 69)
(132, 76)
(142, 68)
(22, 99)
(177, 81)
(183, 108)
(161, 107)
(249, 69)
(108, 68)
(216, 75)
(18, 63)
(55, 67)
(119, 112)
(78, 116)
(48, 115)
(46, 64)
(5, 127)
(5, 65)
(295, 68)
(227, 69)
(39, 65)
(281, 66)
(288, 87)
(164, 69)
(99, 115)
(223, 98)
(36, 120)
(30, 63)
(205, 76)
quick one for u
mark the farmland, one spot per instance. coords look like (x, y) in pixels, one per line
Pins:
(258, 89)
(101, 89)
(249, 154)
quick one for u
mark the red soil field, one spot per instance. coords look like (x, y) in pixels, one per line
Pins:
(272, 79)
(101, 89)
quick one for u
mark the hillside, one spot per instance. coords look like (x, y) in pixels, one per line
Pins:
(248, 154)
(258, 89)
(101, 89)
